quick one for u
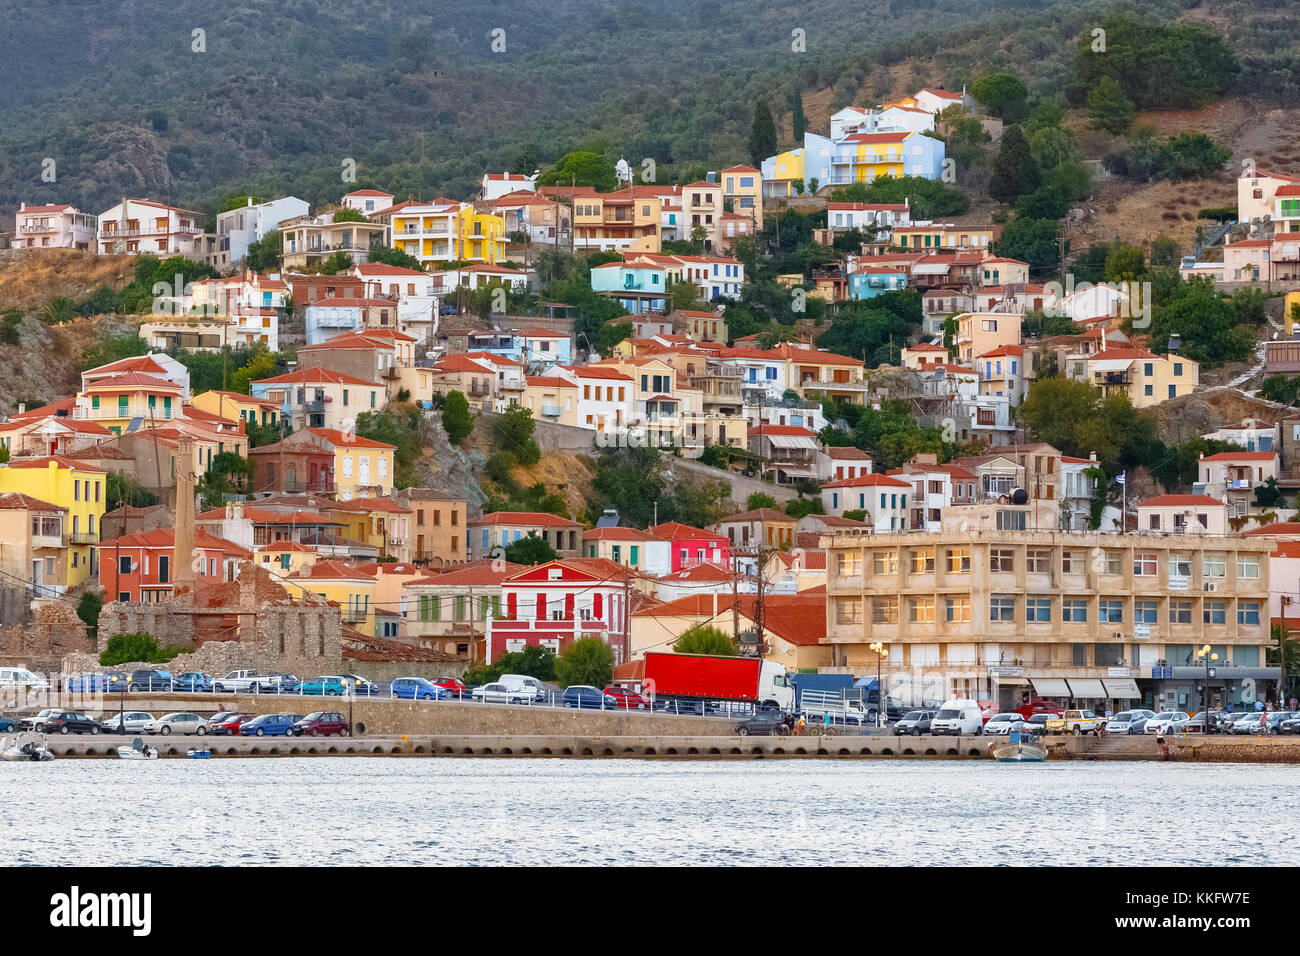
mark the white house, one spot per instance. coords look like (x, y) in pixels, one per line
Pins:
(367, 201)
(240, 227)
(145, 227)
(606, 396)
(496, 185)
(884, 499)
(1183, 514)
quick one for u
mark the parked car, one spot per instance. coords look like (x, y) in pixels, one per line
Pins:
(243, 682)
(230, 726)
(67, 722)
(361, 687)
(1037, 723)
(1270, 722)
(268, 725)
(21, 678)
(627, 699)
(1165, 722)
(30, 723)
(1075, 722)
(194, 682)
(454, 685)
(323, 723)
(323, 687)
(498, 693)
(177, 723)
(1004, 723)
(585, 696)
(416, 688)
(144, 681)
(960, 716)
(766, 720)
(9, 725)
(529, 688)
(219, 718)
(86, 684)
(914, 722)
(1124, 721)
(1289, 726)
(283, 683)
(127, 722)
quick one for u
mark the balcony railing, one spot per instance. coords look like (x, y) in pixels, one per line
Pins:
(149, 231)
(354, 615)
(82, 537)
(552, 411)
(317, 406)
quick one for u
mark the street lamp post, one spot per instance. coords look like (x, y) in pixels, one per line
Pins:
(1205, 655)
(880, 687)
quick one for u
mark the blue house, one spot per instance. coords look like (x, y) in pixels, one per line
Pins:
(877, 280)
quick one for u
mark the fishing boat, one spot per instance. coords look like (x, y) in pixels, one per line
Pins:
(195, 753)
(1018, 748)
(26, 746)
(138, 751)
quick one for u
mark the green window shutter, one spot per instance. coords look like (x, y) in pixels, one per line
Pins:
(496, 605)
(634, 549)
(434, 602)
(482, 607)
(424, 607)
(94, 401)
(460, 607)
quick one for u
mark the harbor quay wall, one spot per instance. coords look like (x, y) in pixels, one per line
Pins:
(426, 718)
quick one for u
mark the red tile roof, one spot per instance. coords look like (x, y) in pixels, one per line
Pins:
(1242, 456)
(1179, 501)
(337, 437)
(863, 481)
(525, 519)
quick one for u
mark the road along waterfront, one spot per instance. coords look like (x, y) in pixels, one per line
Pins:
(532, 811)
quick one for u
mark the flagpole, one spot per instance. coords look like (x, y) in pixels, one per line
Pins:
(1123, 501)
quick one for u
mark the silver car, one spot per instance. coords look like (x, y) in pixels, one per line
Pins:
(1165, 722)
(1128, 721)
(177, 724)
(130, 722)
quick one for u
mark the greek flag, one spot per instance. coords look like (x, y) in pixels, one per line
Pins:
(1120, 479)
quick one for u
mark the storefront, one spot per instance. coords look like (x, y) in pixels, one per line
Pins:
(1181, 688)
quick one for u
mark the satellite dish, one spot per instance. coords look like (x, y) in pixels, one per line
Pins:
(1019, 496)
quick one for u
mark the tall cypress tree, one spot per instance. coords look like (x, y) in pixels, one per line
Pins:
(1014, 171)
(762, 134)
(797, 120)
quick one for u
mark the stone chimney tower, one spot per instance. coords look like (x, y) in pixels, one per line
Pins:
(183, 573)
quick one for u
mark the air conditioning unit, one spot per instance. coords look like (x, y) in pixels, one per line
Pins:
(1211, 586)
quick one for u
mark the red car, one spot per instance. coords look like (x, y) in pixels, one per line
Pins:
(453, 685)
(627, 699)
(1039, 707)
(322, 723)
(230, 726)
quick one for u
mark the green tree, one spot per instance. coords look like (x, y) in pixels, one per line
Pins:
(1205, 321)
(122, 489)
(1166, 252)
(88, 608)
(58, 309)
(762, 134)
(348, 214)
(588, 660)
(704, 639)
(336, 263)
(1014, 171)
(798, 123)
(456, 420)
(581, 168)
(798, 507)
(264, 255)
(760, 499)
(513, 431)
(532, 661)
(1030, 240)
(1002, 95)
(135, 648)
(387, 255)
(1124, 262)
(1109, 109)
(530, 549)
(1191, 156)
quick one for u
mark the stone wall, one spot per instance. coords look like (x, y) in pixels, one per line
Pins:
(39, 646)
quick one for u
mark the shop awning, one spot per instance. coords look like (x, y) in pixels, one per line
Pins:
(1122, 688)
(1050, 687)
(792, 441)
(1017, 681)
(1111, 365)
(1086, 687)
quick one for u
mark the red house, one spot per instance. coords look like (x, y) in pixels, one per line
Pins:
(141, 566)
(553, 604)
(691, 546)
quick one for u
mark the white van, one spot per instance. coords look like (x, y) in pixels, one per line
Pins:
(961, 716)
(19, 677)
(524, 686)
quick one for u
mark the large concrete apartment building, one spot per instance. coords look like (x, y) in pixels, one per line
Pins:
(1105, 620)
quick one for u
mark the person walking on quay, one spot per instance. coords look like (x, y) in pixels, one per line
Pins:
(1161, 746)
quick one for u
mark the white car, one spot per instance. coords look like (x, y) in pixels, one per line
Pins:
(30, 723)
(1000, 724)
(177, 724)
(21, 678)
(1165, 722)
(502, 694)
(130, 722)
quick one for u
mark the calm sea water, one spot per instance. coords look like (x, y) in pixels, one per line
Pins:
(367, 810)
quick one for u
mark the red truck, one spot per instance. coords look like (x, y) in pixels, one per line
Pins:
(1037, 706)
(703, 677)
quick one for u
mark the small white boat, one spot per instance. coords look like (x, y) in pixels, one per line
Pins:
(194, 753)
(138, 751)
(28, 746)
(1018, 748)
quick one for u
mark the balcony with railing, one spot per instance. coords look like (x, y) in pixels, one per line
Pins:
(552, 411)
(354, 615)
(158, 412)
(83, 537)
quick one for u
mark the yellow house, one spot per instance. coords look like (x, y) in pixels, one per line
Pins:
(65, 483)
(1290, 305)
(1146, 378)
(253, 411)
(481, 236)
(379, 522)
(787, 168)
(350, 588)
(361, 465)
(283, 558)
(742, 191)
(875, 155)
(114, 401)
(551, 399)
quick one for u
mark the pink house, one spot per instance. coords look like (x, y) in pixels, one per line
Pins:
(691, 546)
(53, 227)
